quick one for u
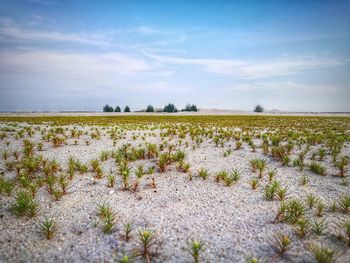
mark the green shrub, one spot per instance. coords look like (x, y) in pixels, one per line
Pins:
(318, 168)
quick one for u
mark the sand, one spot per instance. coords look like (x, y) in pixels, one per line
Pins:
(235, 222)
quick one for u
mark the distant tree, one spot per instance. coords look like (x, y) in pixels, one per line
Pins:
(127, 109)
(170, 108)
(258, 108)
(193, 108)
(190, 107)
(107, 108)
(117, 109)
(187, 107)
(150, 108)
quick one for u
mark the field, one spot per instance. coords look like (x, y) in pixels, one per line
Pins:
(174, 189)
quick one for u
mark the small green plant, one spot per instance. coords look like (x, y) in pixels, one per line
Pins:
(126, 259)
(281, 213)
(95, 164)
(318, 168)
(99, 172)
(111, 180)
(109, 221)
(311, 200)
(286, 160)
(255, 260)
(5, 155)
(299, 161)
(302, 226)
(344, 204)
(25, 204)
(345, 227)
(272, 174)
(281, 244)
(48, 227)
(341, 165)
(124, 172)
(254, 183)
(318, 226)
(290, 211)
(295, 210)
(203, 173)
(178, 156)
(261, 166)
(63, 183)
(344, 182)
(6, 186)
(227, 152)
(146, 240)
(304, 180)
(320, 206)
(195, 248)
(183, 167)
(271, 189)
(323, 254)
(16, 154)
(127, 227)
(321, 154)
(333, 207)
(28, 148)
(281, 193)
(253, 164)
(150, 170)
(139, 174)
(104, 156)
(139, 171)
(57, 194)
(103, 209)
(238, 145)
(163, 161)
(40, 146)
(220, 175)
(232, 177)
(51, 181)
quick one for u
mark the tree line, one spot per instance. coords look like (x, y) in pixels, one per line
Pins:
(167, 108)
(107, 108)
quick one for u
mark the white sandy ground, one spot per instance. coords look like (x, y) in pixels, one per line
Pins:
(185, 113)
(235, 222)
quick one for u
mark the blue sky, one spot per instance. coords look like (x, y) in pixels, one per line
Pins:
(80, 54)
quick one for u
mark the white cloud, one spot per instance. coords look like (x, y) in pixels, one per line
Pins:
(285, 86)
(146, 30)
(16, 33)
(105, 63)
(111, 38)
(253, 69)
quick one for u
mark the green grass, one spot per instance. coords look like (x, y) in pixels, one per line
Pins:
(48, 227)
(323, 254)
(25, 204)
(281, 244)
(195, 248)
(338, 124)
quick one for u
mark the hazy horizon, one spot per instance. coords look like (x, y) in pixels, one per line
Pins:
(80, 55)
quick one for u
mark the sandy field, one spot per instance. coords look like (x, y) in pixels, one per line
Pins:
(235, 222)
(200, 112)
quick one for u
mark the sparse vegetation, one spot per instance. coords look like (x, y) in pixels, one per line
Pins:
(195, 248)
(48, 227)
(142, 161)
(281, 244)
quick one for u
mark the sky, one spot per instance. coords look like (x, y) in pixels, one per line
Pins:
(60, 55)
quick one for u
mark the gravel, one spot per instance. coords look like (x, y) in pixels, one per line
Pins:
(235, 222)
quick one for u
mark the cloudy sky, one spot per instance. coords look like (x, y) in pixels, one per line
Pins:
(80, 54)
